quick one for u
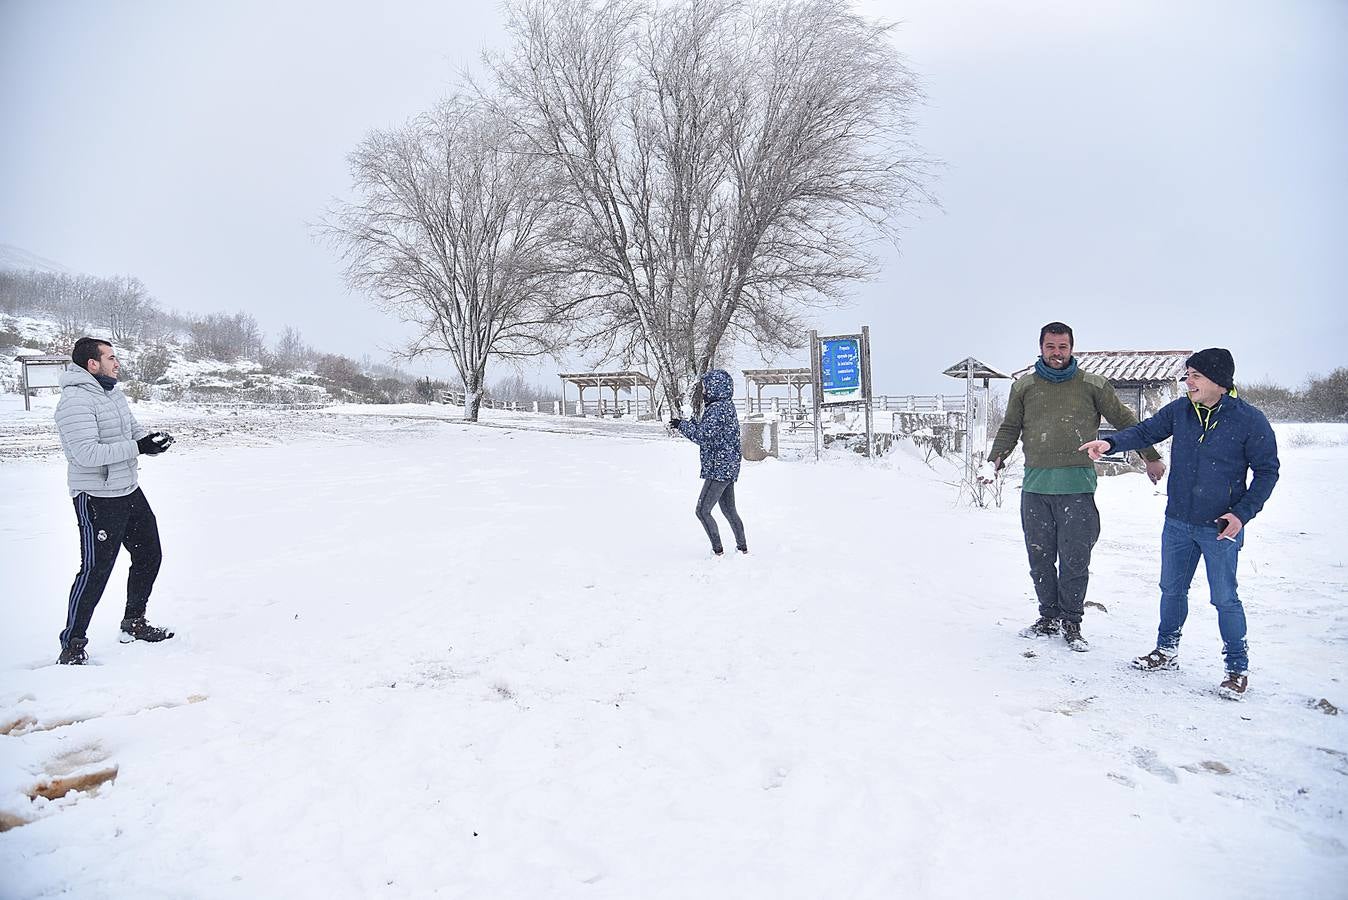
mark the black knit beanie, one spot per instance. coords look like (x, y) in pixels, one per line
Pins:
(1215, 364)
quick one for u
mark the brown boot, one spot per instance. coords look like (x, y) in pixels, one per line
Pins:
(73, 653)
(1233, 688)
(1157, 660)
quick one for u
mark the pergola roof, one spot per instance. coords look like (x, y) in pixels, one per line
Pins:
(777, 376)
(980, 370)
(1130, 365)
(608, 379)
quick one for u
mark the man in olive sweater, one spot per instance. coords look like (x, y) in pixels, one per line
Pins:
(1054, 410)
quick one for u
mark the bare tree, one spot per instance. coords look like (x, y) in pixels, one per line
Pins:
(457, 233)
(291, 353)
(125, 307)
(225, 338)
(730, 162)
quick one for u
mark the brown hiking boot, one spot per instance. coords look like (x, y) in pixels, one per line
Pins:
(1043, 627)
(1157, 660)
(73, 654)
(1233, 688)
(141, 630)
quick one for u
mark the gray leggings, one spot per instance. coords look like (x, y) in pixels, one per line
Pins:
(722, 492)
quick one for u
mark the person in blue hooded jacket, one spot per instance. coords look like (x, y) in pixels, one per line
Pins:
(1218, 440)
(717, 434)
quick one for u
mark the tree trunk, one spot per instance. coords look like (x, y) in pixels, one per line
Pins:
(472, 397)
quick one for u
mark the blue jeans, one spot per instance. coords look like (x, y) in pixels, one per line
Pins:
(1181, 546)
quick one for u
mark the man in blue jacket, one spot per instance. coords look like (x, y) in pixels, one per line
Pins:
(1218, 439)
(717, 434)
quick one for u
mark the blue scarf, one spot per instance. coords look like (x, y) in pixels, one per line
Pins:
(1057, 376)
(108, 382)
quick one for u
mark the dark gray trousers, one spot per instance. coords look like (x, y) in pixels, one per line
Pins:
(723, 493)
(1060, 531)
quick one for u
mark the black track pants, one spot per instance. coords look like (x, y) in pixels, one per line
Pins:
(106, 525)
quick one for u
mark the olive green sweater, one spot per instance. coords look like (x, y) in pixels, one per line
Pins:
(1055, 419)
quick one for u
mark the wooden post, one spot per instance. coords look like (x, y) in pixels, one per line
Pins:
(816, 381)
(23, 376)
(866, 389)
(968, 419)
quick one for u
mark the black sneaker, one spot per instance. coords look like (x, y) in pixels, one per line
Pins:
(141, 630)
(1071, 633)
(72, 654)
(1043, 627)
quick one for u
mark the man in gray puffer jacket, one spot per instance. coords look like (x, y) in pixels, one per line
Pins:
(102, 441)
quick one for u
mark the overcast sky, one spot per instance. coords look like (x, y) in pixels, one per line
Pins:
(1157, 173)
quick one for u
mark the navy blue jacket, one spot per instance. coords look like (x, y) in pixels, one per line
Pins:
(718, 431)
(1207, 476)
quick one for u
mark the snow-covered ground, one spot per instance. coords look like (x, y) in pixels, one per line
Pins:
(419, 658)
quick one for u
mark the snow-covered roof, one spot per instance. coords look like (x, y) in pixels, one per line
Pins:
(980, 369)
(1129, 365)
(777, 376)
(608, 379)
(37, 357)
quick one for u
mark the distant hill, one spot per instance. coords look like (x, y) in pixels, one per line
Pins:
(12, 257)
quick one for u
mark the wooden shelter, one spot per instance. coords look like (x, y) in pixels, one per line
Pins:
(616, 381)
(757, 379)
(975, 440)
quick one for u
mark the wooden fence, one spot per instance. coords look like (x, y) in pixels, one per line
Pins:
(786, 407)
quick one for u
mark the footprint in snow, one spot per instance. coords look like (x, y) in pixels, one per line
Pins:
(1147, 760)
(81, 771)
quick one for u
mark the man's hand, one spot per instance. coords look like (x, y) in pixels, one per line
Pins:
(154, 443)
(674, 423)
(1233, 526)
(1097, 449)
(1155, 470)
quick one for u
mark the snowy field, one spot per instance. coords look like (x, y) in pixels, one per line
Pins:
(418, 658)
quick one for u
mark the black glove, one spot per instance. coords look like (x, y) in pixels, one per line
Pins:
(154, 443)
(674, 423)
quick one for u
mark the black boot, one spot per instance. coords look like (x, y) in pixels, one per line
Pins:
(1071, 633)
(141, 630)
(1043, 627)
(72, 654)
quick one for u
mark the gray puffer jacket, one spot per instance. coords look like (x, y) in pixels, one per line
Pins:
(98, 434)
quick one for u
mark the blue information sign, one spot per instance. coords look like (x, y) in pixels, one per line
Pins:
(840, 368)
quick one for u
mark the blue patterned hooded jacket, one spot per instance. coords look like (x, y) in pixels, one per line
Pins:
(718, 431)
